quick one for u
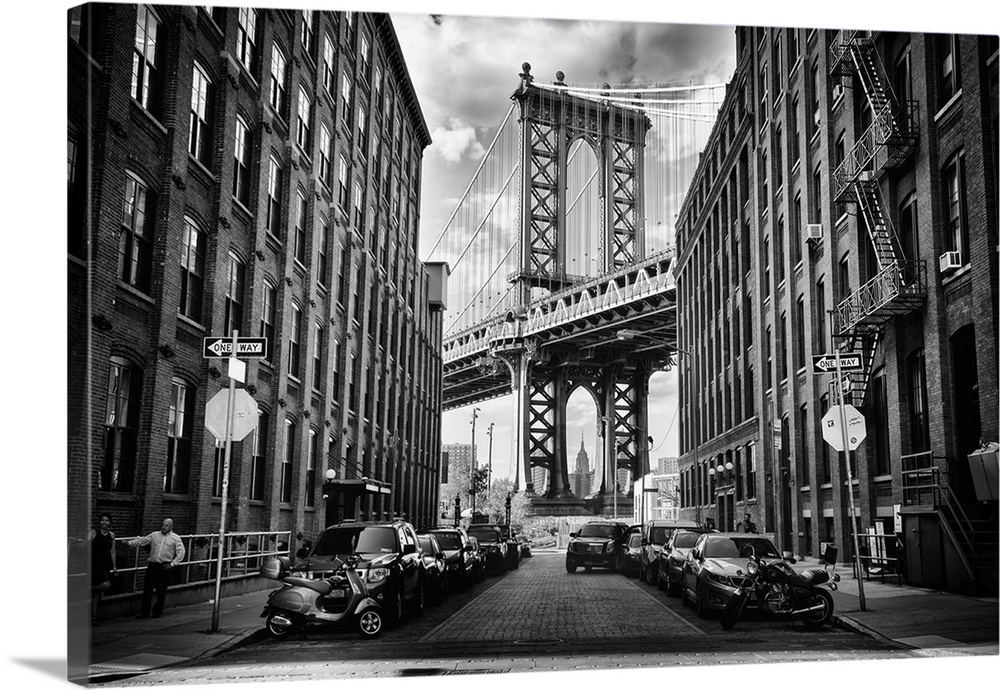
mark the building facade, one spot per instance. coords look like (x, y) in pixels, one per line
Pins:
(581, 478)
(847, 198)
(253, 171)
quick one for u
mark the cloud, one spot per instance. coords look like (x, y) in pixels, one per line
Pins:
(456, 141)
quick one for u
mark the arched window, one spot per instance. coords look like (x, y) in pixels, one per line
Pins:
(121, 425)
(192, 270)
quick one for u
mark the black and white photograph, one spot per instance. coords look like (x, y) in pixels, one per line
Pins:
(516, 343)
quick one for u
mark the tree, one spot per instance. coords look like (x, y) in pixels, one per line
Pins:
(495, 504)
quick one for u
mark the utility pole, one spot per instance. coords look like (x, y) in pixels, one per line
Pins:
(489, 474)
(850, 485)
(472, 471)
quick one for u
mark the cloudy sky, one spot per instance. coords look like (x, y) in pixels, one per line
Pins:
(464, 69)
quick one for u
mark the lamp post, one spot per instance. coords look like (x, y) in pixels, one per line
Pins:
(472, 471)
(723, 471)
(331, 474)
(489, 474)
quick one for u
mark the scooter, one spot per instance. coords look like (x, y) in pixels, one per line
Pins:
(300, 603)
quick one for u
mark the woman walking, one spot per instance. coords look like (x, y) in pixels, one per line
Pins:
(102, 559)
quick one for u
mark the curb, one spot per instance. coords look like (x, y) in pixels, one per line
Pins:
(241, 640)
(848, 623)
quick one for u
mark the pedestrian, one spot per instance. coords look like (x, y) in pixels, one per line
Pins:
(748, 525)
(166, 550)
(102, 561)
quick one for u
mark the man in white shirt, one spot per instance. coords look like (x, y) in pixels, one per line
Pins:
(166, 550)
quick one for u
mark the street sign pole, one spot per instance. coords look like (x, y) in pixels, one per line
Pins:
(225, 489)
(850, 489)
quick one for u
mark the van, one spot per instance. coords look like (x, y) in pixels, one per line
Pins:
(655, 534)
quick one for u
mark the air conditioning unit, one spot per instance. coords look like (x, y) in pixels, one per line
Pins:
(814, 231)
(949, 261)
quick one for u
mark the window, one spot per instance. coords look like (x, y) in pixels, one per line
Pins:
(826, 475)
(303, 131)
(814, 94)
(766, 258)
(796, 151)
(762, 89)
(908, 232)
(322, 264)
(779, 161)
(267, 315)
(804, 479)
(135, 239)
(76, 183)
(765, 198)
(218, 467)
(776, 63)
(365, 55)
(820, 316)
(335, 362)
(345, 281)
(233, 314)
(362, 128)
(800, 332)
(146, 58)
(317, 381)
(287, 460)
(342, 188)
(180, 416)
(279, 66)
(200, 142)
(242, 149)
(949, 75)
(779, 238)
(324, 155)
(345, 97)
(121, 426)
(274, 198)
(783, 348)
(308, 33)
(294, 341)
(816, 197)
(311, 468)
(917, 399)
(377, 85)
(246, 39)
(258, 459)
(880, 436)
(301, 218)
(844, 276)
(768, 360)
(192, 270)
(359, 207)
(902, 76)
(956, 237)
(751, 472)
(793, 49)
(328, 58)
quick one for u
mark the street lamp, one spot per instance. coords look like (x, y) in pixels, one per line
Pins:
(489, 475)
(472, 471)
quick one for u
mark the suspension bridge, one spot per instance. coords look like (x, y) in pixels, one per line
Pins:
(561, 259)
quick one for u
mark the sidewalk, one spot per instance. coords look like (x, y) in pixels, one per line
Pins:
(941, 622)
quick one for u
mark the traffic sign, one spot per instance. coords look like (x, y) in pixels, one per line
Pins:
(825, 363)
(833, 432)
(223, 347)
(244, 414)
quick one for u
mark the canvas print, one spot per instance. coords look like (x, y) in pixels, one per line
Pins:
(413, 345)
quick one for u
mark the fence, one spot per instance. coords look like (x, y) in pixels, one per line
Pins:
(243, 554)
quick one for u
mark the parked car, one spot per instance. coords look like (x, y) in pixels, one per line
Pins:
(655, 534)
(714, 567)
(435, 570)
(628, 557)
(459, 558)
(513, 547)
(670, 563)
(390, 562)
(478, 559)
(597, 543)
(524, 544)
(493, 545)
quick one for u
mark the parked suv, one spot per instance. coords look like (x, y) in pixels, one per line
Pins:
(655, 534)
(459, 558)
(493, 545)
(391, 563)
(513, 547)
(597, 543)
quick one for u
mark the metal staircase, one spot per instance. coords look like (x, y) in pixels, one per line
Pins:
(898, 287)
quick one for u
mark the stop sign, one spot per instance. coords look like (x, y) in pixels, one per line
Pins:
(244, 414)
(832, 430)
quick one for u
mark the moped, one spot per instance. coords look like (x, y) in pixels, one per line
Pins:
(301, 603)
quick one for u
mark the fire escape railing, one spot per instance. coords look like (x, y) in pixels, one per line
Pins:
(878, 300)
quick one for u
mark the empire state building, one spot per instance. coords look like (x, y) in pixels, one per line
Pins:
(582, 477)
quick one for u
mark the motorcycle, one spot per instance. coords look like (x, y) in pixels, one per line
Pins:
(341, 599)
(778, 589)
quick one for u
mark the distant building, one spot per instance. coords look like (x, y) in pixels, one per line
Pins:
(581, 479)
(666, 466)
(459, 462)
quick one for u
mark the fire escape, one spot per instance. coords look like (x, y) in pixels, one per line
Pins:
(899, 285)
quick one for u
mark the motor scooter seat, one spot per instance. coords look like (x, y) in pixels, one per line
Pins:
(813, 576)
(321, 586)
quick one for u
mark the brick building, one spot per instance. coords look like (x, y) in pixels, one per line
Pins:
(847, 198)
(257, 171)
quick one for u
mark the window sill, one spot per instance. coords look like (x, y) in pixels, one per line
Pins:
(190, 323)
(957, 275)
(200, 168)
(947, 107)
(136, 292)
(239, 205)
(149, 117)
(805, 489)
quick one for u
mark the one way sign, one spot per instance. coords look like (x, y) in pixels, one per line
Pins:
(825, 363)
(223, 347)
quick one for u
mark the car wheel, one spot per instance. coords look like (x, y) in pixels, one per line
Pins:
(642, 572)
(661, 582)
(370, 624)
(279, 625)
(653, 576)
(570, 567)
(588, 568)
(701, 603)
(419, 598)
(673, 588)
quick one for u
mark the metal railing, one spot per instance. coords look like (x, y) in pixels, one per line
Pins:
(899, 279)
(925, 484)
(243, 554)
(891, 125)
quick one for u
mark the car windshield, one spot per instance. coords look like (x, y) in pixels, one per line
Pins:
(425, 543)
(449, 541)
(597, 530)
(635, 541)
(727, 547)
(659, 535)
(685, 540)
(348, 540)
(490, 535)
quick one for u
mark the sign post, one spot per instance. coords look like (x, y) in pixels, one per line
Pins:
(850, 485)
